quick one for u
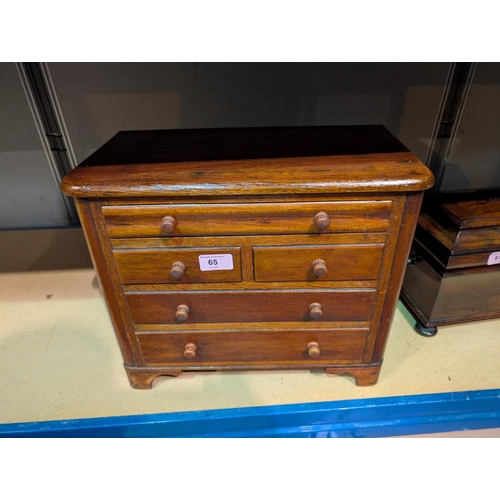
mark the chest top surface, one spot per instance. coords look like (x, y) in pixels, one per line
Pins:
(260, 161)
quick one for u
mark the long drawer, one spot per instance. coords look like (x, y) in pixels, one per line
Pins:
(250, 306)
(335, 346)
(247, 218)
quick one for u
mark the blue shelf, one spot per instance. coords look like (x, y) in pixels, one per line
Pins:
(376, 417)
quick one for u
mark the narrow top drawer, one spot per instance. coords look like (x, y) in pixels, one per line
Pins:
(128, 221)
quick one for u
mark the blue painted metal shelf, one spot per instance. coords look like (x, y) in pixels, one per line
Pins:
(376, 417)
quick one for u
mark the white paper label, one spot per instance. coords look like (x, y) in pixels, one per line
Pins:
(219, 262)
(494, 258)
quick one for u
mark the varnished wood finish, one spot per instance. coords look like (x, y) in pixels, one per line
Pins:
(117, 201)
(318, 221)
(238, 218)
(477, 240)
(394, 276)
(450, 280)
(173, 266)
(445, 236)
(252, 285)
(251, 326)
(474, 213)
(257, 305)
(421, 282)
(448, 297)
(253, 347)
(458, 228)
(344, 175)
(142, 378)
(455, 249)
(478, 259)
(346, 262)
(364, 375)
(250, 241)
(243, 161)
(108, 278)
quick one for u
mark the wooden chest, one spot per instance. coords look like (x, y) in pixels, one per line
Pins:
(250, 248)
(453, 274)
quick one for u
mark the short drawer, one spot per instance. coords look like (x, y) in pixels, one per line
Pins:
(247, 218)
(250, 306)
(317, 262)
(336, 346)
(179, 265)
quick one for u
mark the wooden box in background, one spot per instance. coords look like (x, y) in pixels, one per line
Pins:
(453, 274)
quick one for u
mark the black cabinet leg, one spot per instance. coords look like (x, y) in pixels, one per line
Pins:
(426, 331)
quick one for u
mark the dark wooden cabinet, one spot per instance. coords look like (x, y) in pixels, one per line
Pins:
(454, 272)
(250, 248)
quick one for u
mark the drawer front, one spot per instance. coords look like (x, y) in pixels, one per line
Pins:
(251, 306)
(247, 218)
(317, 262)
(336, 346)
(156, 265)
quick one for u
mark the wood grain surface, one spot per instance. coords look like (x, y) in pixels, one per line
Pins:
(474, 213)
(258, 347)
(249, 162)
(444, 240)
(444, 297)
(450, 280)
(109, 282)
(318, 221)
(255, 305)
(343, 262)
(250, 241)
(251, 218)
(153, 266)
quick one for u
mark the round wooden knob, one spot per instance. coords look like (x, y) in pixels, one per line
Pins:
(168, 224)
(319, 267)
(182, 312)
(190, 351)
(315, 310)
(177, 270)
(321, 220)
(313, 349)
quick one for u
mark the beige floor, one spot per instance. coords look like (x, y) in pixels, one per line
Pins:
(59, 358)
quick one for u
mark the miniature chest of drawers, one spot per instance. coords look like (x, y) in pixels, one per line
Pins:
(256, 248)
